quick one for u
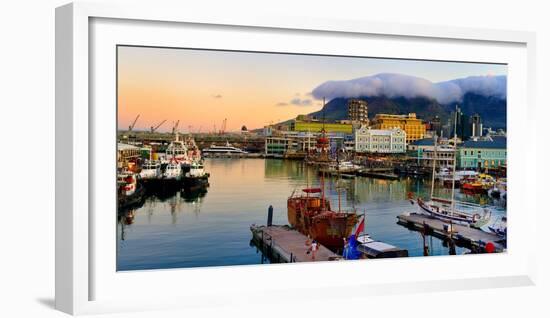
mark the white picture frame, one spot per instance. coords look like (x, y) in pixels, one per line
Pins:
(77, 176)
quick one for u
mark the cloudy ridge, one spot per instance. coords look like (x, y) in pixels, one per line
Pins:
(398, 85)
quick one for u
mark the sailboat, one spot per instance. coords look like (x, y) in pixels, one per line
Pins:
(449, 209)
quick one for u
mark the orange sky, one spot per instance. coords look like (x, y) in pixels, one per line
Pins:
(202, 87)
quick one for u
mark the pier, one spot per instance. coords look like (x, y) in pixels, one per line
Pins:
(281, 244)
(465, 236)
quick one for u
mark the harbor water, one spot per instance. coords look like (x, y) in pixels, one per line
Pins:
(182, 230)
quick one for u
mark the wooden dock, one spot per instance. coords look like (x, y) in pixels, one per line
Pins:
(281, 244)
(463, 235)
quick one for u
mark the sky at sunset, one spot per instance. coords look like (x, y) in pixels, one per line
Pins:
(201, 88)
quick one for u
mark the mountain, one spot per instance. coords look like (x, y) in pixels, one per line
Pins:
(491, 109)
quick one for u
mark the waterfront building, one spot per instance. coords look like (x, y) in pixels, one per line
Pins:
(423, 152)
(304, 125)
(413, 126)
(127, 153)
(483, 154)
(380, 140)
(349, 142)
(289, 142)
(358, 111)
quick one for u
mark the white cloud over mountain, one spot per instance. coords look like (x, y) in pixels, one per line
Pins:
(396, 85)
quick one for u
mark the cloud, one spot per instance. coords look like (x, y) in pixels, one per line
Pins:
(399, 85)
(217, 96)
(301, 102)
(296, 101)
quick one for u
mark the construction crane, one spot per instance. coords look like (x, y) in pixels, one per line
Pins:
(224, 125)
(153, 129)
(175, 127)
(131, 127)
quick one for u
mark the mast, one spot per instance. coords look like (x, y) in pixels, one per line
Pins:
(454, 166)
(338, 181)
(323, 172)
(433, 167)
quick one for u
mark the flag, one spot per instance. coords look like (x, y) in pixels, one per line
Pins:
(360, 227)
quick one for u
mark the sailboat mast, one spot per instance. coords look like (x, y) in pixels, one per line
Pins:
(323, 172)
(338, 180)
(454, 166)
(433, 166)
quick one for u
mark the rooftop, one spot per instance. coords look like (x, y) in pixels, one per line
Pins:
(497, 143)
(423, 142)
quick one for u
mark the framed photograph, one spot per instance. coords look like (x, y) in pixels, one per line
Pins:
(214, 153)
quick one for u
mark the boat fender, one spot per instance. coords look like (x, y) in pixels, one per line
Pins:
(476, 216)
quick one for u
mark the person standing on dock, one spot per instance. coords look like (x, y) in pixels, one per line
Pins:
(308, 245)
(314, 248)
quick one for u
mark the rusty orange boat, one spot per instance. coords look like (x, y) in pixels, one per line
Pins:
(310, 213)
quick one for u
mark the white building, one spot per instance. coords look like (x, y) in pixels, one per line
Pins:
(380, 140)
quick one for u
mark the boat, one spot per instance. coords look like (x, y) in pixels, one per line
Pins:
(342, 167)
(320, 155)
(450, 210)
(173, 171)
(472, 186)
(500, 227)
(130, 192)
(478, 184)
(177, 150)
(150, 170)
(196, 178)
(376, 249)
(498, 191)
(228, 149)
(310, 213)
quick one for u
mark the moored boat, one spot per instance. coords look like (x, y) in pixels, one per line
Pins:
(310, 213)
(196, 178)
(449, 209)
(130, 192)
(228, 149)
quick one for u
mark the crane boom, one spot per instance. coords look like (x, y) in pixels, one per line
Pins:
(175, 126)
(131, 127)
(153, 129)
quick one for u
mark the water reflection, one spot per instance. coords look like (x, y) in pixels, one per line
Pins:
(211, 228)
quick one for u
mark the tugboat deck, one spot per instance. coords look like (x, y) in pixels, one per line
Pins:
(285, 245)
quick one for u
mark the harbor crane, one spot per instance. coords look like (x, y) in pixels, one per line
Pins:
(131, 127)
(175, 128)
(153, 129)
(223, 127)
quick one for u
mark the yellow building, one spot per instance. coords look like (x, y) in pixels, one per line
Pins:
(413, 126)
(316, 126)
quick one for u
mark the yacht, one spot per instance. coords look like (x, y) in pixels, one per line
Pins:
(227, 149)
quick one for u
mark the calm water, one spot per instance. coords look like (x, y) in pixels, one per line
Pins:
(212, 229)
